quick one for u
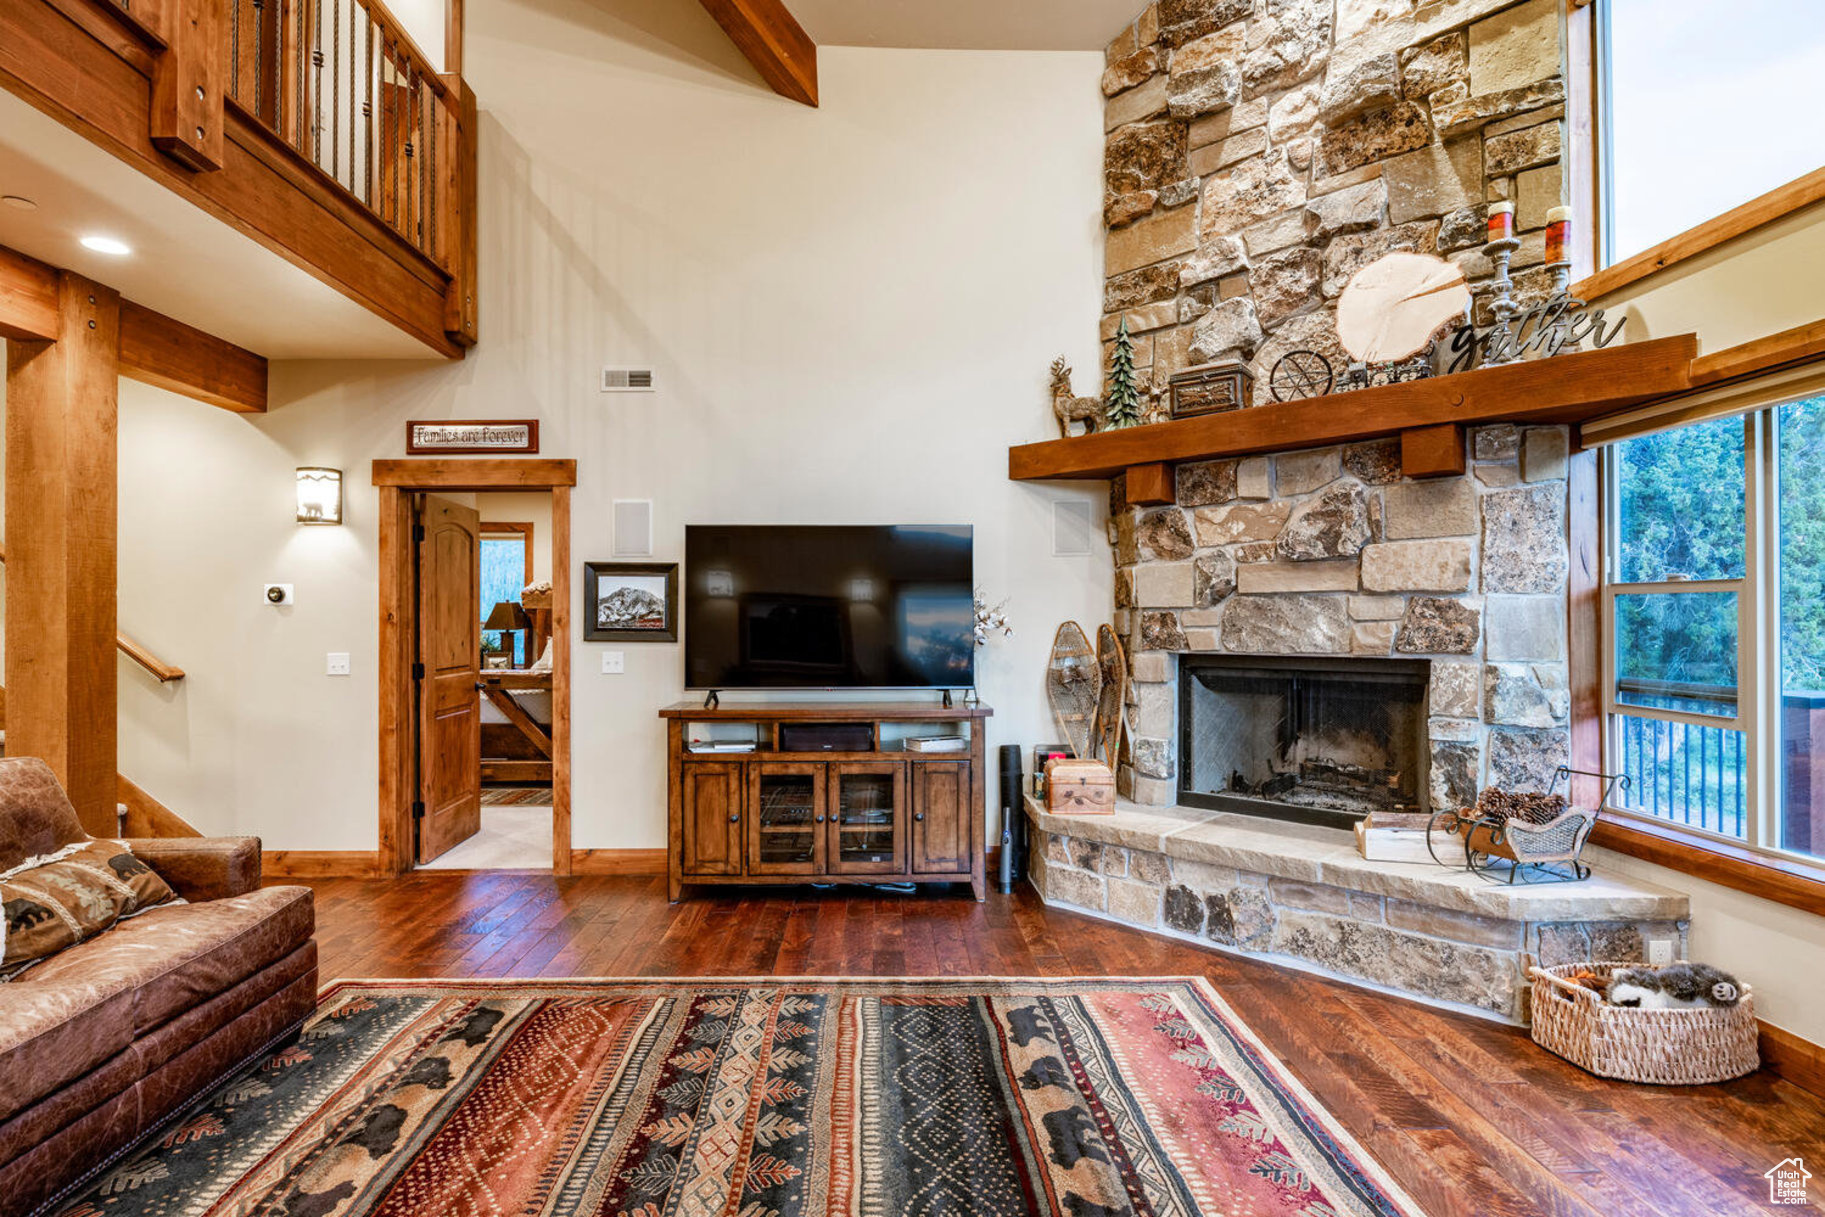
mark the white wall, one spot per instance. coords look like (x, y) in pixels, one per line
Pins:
(850, 311)
(423, 21)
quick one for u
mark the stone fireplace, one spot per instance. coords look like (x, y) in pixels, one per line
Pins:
(1331, 558)
(1313, 740)
(1256, 156)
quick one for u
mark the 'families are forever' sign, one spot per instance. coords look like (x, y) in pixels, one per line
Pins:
(519, 435)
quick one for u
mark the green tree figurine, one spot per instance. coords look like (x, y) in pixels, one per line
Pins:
(1124, 407)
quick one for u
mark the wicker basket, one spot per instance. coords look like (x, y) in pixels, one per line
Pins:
(1666, 1047)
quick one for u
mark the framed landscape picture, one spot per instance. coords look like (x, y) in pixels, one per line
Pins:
(630, 601)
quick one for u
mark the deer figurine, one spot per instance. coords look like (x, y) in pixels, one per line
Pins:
(1068, 407)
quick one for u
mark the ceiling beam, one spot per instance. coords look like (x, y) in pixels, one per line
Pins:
(154, 349)
(774, 43)
(28, 298)
(163, 351)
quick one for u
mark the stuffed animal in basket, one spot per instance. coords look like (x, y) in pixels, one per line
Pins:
(1680, 986)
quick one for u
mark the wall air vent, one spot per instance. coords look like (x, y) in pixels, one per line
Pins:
(627, 380)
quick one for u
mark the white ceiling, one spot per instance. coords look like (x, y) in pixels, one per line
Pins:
(185, 263)
(989, 25)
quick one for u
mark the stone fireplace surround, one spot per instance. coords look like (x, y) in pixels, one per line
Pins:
(1332, 552)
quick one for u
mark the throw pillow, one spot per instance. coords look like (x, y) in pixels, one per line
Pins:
(61, 899)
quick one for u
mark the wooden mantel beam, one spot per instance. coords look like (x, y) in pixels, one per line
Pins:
(774, 43)
(155, 349)
(1567, 389)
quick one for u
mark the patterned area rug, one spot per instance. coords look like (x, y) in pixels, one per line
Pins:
(758, 1098)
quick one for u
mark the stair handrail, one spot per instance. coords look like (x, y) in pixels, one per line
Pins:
(164, 672)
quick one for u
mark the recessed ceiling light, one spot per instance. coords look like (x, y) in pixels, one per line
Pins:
(19, 201)
(107, 245)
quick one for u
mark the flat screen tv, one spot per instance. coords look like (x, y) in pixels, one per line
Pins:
(828, 607)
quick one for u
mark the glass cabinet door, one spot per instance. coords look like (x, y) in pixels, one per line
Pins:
(867, 809)
(786, 819)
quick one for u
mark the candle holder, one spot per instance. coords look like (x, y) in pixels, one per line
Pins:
(1501, 347)
(1561, 304)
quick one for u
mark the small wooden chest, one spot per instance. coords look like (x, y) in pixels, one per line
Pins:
(1079, 788)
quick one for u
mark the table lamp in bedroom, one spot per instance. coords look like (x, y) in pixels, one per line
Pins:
(509, 618)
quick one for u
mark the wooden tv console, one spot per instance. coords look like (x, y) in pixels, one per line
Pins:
(881, 815)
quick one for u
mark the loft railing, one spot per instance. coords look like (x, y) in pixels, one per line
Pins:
(164, 672)
(341, 84)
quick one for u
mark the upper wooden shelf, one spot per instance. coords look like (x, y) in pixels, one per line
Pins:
(1566, 389)
(830, 711)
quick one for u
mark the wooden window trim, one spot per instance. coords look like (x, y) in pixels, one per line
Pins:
(505, 528)
(1757, 213)
(1789, 881)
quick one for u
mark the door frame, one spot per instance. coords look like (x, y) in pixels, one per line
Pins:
(397, 481)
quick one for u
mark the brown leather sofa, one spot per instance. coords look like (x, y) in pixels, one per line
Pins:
(104, 1041)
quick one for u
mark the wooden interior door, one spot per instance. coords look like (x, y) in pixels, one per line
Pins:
(448, 676)
(712, 793)
(941, 818)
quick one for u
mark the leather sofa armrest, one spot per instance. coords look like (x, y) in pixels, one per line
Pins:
(202, 868)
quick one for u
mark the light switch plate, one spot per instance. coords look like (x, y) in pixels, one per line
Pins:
(338, 663)
(614, 663)
(1660, 952)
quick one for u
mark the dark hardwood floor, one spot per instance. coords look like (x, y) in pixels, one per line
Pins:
(1470, 1116)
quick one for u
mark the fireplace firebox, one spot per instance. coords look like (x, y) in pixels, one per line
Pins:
(1312, 740)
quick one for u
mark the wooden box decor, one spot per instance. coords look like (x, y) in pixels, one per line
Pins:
(1079, 788)
(1664, 1047)
(1210, 388)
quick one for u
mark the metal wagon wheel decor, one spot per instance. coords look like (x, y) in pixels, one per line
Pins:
(1506, 847)
(1300, 374)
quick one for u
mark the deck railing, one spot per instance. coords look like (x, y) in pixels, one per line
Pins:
(343, 85)
(1684, 773)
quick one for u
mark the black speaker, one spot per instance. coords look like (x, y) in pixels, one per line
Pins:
(826, 737)
(1013, 820)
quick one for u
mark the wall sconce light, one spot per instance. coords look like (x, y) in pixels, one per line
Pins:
(319, 495)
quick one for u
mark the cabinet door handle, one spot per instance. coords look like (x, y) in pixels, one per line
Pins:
(820, 819)
(918, 815)
(735, 819)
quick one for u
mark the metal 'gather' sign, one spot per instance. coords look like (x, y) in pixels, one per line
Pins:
(515, 435)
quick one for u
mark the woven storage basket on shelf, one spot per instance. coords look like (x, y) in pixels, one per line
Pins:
(1666, 1047)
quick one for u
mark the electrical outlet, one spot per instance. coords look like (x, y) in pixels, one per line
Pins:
(1660, 952)
(338, 663)
(277, 593)
(614, 663)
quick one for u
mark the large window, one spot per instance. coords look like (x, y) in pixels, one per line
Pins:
(1706, 106)
(506, 570)
(1714, 611)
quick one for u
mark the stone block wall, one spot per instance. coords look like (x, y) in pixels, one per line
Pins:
(1260, 152)
(1425, 951)
(1331, 551)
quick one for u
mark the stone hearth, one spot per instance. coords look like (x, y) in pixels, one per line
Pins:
(1301, 895)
